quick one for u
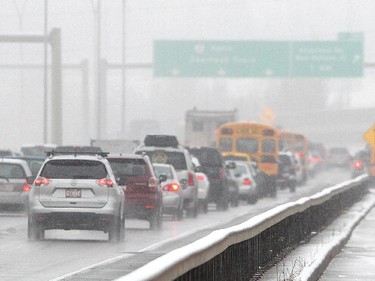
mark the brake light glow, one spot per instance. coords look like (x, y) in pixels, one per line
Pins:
(190, 179)
(153, 184)
(171, 187)
(299, 154)
(105, 182)
(315, 160)
(26, 186)
(200, 177)
(358, 164)
(246, 181)
(41, 181)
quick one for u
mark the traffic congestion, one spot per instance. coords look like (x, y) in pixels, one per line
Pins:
(87, 188)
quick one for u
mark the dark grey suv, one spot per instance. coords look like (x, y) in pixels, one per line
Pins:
(76, 192)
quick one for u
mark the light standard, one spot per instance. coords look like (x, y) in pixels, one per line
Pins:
(45, 69)
(123, 73)
(97, 43)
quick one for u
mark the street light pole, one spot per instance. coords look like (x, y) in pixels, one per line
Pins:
(123, 72)
(45, 110)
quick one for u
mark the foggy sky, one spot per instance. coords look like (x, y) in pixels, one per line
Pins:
(163, 99)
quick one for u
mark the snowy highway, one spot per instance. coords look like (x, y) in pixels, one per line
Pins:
(64, 252)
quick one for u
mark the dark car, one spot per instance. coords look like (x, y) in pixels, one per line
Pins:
(213, 165)
(361, 163)
(143, 195)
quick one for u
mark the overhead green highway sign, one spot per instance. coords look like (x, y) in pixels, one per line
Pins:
(341, 58)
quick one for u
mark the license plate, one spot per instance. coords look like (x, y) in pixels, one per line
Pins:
(73, 193)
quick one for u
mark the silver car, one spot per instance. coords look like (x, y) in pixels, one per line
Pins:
(244, 174)
(76, 192)
(14, 189)
(173, 196)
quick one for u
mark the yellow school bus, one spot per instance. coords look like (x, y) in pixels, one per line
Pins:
(296, 143)
(259, 141)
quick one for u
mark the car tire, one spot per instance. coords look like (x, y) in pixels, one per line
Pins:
(115, 233)
(35, 231)
(292, 186)
(193, 211)
(179, 212)
(204, 206)
(156, 221)
(251, 200)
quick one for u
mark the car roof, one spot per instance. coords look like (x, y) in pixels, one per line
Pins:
(26, 157)
(11, 160)
(77, 157)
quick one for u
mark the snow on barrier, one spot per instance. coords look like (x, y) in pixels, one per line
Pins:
(243, 251)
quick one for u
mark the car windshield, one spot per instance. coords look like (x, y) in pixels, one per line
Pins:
(128, 167)
(74, 169)
(240, 170)
(163, 170)
(176, 159)
(11, 171)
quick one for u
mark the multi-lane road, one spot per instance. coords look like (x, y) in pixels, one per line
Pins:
(64, 252)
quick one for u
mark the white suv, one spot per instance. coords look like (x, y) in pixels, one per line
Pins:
(76, 191)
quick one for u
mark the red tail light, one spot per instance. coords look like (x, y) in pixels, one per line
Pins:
(190, 179)
(221, 173)
(40, 181)
(246, 181)
(153, 184)
(358, 164)
(299, 154)
(171, 187)
(26, 186)
(315, 160)
(200, 177)
(105, 182)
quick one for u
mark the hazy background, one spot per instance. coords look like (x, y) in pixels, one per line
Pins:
(163, 101)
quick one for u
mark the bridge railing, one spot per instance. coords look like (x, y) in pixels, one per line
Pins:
(244, 251)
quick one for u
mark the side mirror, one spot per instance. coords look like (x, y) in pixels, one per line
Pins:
(162, 178)
(121, 181)
(198, 169)
(30, 179)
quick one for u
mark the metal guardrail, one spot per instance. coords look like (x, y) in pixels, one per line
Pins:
(243, 251)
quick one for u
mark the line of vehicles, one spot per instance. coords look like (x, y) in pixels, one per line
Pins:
(82, 187)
